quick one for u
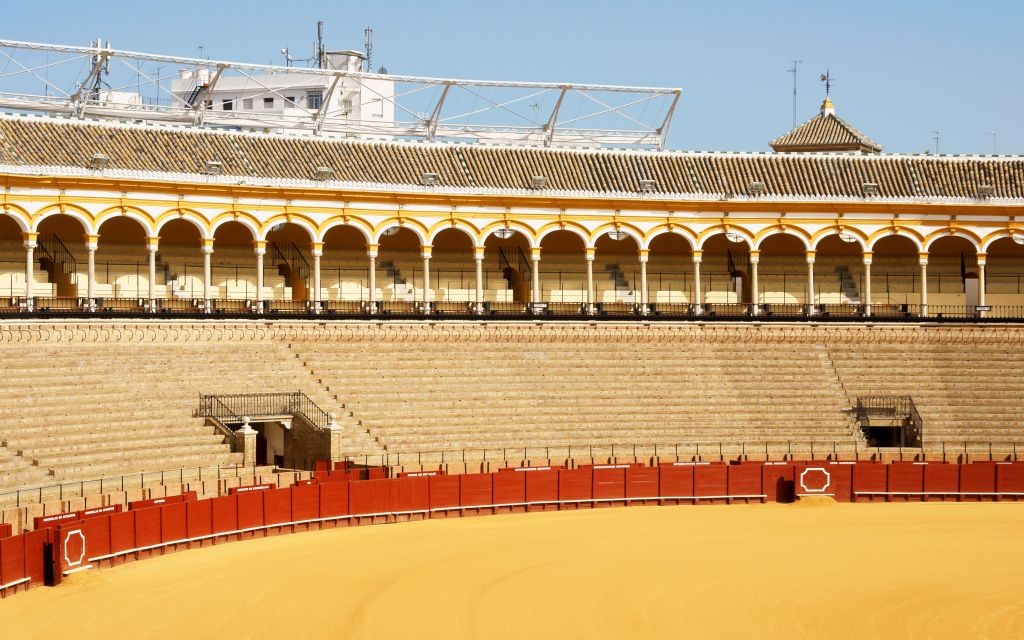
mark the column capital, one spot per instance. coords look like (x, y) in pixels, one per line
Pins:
(259, 247)
(982, 258)
(426, 251)
(478, 253)
(811, 254)
(152, 243)
(590, 252)
(697, 255)
(755, 256)
(643, 254)
(92, 241)
(867, 256)
(207, 245)
(535, 254)
(371, 250)
(30, 239)
(317, 248)
(922, 258)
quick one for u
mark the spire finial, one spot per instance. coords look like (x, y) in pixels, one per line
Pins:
(827, 108)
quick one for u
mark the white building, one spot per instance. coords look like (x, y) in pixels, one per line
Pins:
(268, 101)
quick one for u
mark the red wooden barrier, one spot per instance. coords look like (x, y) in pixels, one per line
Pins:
(54, 521)
(476, 489)
(906, 481)
(842, 480)
(610, 484)
(941, 481)
(250, 510)
(643, 482)
(305, 502)
(199, 519)
(97, 537)
(1010, 481)
(414, 495)
(420, 474)
(744, 483)
(711, 482)
(35, 554)
(100, 511)
(252, 487)
(575, 485)
(978, 481)
(173, 522)
(777, 481)
(12, 560)
(122, 531)
(333, 500)
(676, 483)
(869, 482)
(509, 489)
(278, 506)
(6, 530)
(444, 492)
(187, 496)
(542, 488)
(147, 527)
(225, 514)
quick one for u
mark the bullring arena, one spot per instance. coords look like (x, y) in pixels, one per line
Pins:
(502, 389)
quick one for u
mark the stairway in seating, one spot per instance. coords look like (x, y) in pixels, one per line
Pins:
(847, 284)
(621, 283)
(839, 389)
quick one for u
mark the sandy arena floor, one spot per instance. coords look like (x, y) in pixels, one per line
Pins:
(758, 571)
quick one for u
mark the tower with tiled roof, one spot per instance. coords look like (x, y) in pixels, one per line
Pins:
(826, 133)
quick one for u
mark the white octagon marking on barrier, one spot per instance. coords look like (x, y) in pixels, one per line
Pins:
(67, 540)
(824, 487)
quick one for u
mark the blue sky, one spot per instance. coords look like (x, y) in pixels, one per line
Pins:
(903, 68)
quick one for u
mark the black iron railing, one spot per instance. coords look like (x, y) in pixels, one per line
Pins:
(895, 408)
(231, 409)
(288, 253)
(55, 250)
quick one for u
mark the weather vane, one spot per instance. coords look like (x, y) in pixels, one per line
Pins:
(827, 79)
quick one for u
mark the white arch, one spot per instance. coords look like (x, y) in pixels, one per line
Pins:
(743, 233)
(855, 236)
(930, 241)
(900, 233)
(570, 228)
(473, 238)
(675, 231)
(783, 232)
(341, 223)
(245, 222)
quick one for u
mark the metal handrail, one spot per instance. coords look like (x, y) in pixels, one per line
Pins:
(234, 408)
(58, 252)
(292, 256)
(896, 407)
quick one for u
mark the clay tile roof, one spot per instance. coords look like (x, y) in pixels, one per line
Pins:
(826, 132)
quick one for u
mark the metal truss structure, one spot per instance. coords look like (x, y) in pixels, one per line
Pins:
(92, 82)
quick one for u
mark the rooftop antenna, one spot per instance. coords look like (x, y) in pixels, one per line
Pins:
(995, 142)
(320, 54)
(368, 42)
(936, 136)
(201, 47)
(793, 71)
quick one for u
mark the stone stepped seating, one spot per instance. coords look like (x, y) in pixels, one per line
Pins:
(130, 408)
(492, 395)
(970, 393)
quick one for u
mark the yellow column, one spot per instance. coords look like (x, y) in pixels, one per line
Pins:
(755, 258)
